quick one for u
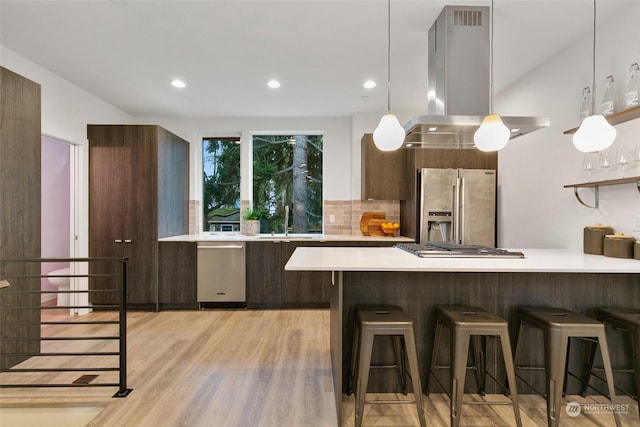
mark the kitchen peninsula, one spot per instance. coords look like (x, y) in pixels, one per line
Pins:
(363, 276)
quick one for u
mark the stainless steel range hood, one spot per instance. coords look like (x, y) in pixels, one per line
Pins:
(459, 83)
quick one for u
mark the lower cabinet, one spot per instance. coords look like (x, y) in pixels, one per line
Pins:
(270, 286)
(177, 275)
(142, 272)
(304, 288)
(264, 268)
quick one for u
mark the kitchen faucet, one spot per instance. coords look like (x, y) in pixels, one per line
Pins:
(286, 220)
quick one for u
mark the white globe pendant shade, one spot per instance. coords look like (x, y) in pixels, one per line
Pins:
(594, 134)
(389, 135)
(492, 135)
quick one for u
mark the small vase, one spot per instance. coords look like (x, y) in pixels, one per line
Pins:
(251, 227)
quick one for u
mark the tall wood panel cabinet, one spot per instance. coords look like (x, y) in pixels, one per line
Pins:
(19, 212)
(138, 192)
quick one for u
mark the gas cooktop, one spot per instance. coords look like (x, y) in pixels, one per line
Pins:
(455, 250)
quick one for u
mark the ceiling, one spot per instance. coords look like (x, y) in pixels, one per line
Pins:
(127, 52)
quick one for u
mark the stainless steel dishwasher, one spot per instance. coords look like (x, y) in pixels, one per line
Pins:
(221, 272)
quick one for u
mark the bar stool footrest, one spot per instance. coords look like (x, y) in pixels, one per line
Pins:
(390, 402)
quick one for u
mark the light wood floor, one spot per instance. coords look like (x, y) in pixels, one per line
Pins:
(249, 368)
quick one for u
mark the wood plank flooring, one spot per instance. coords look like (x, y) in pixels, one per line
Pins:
(248, 368)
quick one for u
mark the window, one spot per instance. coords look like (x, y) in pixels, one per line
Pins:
(221, 184)
(287, 171)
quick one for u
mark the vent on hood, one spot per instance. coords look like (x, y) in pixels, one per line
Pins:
(459, 83)
(469, 18)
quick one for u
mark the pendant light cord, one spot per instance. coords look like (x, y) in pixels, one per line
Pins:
(491, 63)
(593, 64)
(388, 56)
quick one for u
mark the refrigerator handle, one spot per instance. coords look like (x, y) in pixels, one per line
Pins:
(456, 211)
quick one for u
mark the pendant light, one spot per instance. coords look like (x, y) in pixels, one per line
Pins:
(492, 135)
(389, 135)
(594, 133)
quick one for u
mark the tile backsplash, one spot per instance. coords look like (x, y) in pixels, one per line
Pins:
(348, 213)
(194, 216)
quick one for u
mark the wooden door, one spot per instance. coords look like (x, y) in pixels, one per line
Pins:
(141, 223)
(142, 278)
(103, 282)
(304, 288)
(264, 274)
(110, 182)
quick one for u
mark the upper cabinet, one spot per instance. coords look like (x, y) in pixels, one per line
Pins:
(138, 182)
(382, 172)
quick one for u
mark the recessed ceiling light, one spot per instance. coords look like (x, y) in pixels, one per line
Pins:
(178, 83)
(369, 84)
(433, 128)
(273, 84)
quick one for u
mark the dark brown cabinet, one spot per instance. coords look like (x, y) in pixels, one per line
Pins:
(20, 152)
(382, 172)
(138, 192)
(270, 286)
(177, 275)
(264, 273)
(304, 288)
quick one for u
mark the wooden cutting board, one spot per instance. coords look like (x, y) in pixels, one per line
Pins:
(375, 227)
(368, 216)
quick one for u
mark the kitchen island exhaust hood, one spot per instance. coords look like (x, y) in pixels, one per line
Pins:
(459, 83)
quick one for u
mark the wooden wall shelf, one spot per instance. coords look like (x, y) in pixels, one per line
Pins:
(615, 118)
(596, 186)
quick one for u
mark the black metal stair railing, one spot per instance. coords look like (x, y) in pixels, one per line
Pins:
(33, 341)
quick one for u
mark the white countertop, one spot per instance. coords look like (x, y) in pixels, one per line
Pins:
(394, 259)
(236, 237)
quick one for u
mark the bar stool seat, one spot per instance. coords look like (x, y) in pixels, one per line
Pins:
(627, 320)
(471, 325)
(558, 326)
(378, 321)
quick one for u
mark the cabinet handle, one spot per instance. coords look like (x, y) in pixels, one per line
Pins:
(118, 241)
(222, 247)
(127, 241)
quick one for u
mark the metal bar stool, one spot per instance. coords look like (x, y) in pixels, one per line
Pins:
(558, 325)
(472, 325)
(390, 321)
(626, 320)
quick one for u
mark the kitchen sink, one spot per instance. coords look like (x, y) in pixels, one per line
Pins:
(289, 237)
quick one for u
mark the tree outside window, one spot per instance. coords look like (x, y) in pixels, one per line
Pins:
(287, 171)
(221, 184)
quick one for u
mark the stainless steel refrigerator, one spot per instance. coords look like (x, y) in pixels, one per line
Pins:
(457, 205)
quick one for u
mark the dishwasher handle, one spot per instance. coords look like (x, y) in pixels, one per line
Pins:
(222, 247)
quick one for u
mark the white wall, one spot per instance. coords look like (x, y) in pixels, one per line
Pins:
(534, 208)
(66, 108)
